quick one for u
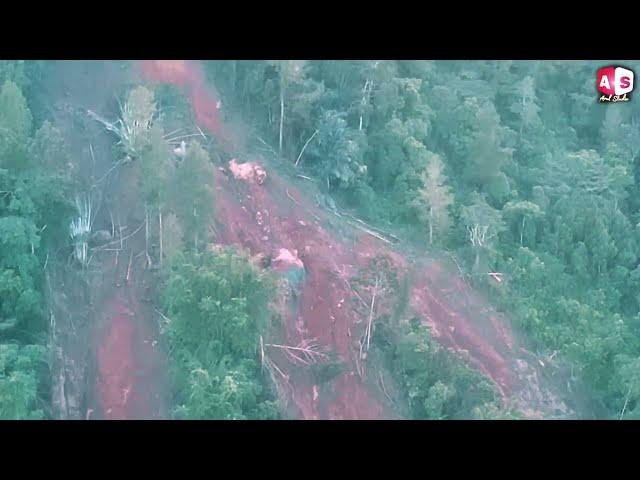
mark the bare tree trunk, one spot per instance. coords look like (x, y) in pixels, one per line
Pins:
(146, 231)
(522, 229)
(624, 407)
(120, 232)
(305, 146)
(160, 229)
(281, 114)
(195, 233)
(234, 74)
(373, 303)
(522, 119)
(363, 354)
(365, 92)
(431, 226)
(129, 267)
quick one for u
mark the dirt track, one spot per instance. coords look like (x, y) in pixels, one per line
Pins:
(107, 366)
(130, 364)
(132, 380)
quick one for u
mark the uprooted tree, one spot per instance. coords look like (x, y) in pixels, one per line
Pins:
(137, 114)
(80, 229)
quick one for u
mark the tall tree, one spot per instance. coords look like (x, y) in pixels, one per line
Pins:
(49, 150)
(19, 366)
(193, 192)
(435, 198)
(338, 151)
(15, 126)
(289, 71)
(155, 170)
(525, 106)
(519, 213)
(486, 155)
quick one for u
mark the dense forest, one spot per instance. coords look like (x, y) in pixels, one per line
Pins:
(512, 168)
(33, 198)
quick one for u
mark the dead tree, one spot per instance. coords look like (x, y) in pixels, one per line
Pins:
(160, 231)
(80, 229)
(479, 237)
(307, 352)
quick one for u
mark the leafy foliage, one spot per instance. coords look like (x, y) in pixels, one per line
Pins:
(191, 191)
(543, 187)
(437, 385)
(218, 304)
(19, 368)
(512, 165)
(435, 199)
(15, 126)
(32, 204)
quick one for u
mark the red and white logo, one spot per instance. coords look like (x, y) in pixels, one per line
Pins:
(615, 83)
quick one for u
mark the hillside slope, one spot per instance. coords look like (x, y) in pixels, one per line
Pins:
(276, 217)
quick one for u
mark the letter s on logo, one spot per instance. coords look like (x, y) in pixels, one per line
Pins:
(623, 81)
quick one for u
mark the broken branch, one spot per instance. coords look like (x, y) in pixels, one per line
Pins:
(305, 146)
(384, 390)
(173, 132)
(373, 304)
(625, 404)
(382, 232)
(121, 239)
(310, 351)
(289, 195)
(306, 178)
(201, 133)
(266, 144)
(373, 234)
(129, 267)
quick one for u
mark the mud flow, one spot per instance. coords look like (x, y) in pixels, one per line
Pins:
(276, 218)
(261, 211)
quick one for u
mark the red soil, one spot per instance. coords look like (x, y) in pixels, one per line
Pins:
(264, 218)
(129, 363)
(132, 374)
(180, 73)
(190, 78)
(248, 216)
(462, 334)
(115, 360)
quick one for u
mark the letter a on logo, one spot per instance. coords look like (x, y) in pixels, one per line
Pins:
(606, 80)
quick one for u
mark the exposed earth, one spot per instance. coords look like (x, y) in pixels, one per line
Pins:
(275, 215)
